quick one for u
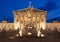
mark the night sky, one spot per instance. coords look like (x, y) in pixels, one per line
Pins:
(51, 6)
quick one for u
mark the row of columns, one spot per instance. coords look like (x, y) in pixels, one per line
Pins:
(29, 19)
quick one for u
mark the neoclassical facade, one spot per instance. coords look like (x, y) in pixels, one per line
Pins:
(29, 18)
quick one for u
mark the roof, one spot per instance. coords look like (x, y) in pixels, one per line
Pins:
(34, 9)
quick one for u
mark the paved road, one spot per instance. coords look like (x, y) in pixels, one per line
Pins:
(51, 37)
(27, 39)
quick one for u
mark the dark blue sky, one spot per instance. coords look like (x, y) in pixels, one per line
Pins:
(52, 7)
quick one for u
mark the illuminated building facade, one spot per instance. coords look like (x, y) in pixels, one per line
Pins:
(29, 20)
(30, 17)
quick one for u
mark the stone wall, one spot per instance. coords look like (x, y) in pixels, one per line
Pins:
(53, 26)
(6, 26)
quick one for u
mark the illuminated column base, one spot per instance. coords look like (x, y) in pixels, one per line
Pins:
(42, 35)
(20, 33)
(39, 33)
